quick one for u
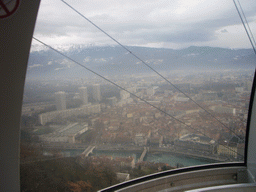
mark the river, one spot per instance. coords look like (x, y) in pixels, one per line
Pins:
(170, 159)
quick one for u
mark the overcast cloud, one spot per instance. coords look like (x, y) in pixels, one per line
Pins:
(152, 23)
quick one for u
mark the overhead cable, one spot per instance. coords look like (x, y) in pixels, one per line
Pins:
(246, 30)
(120, 87)
(133, 54)
(248, 26)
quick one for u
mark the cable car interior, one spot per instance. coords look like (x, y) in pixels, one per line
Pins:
(16, 35)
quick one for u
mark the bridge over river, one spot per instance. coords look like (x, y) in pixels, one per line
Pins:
(143, 154)
(88, 150)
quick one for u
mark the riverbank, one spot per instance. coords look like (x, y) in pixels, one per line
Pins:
(161, 150)
(188, 154)
(69, 151)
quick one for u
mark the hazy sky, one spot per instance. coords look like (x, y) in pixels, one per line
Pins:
(151, 23)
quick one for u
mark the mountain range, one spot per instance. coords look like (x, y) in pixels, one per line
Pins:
(46, 63)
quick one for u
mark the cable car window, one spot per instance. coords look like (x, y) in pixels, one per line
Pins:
(119, 90)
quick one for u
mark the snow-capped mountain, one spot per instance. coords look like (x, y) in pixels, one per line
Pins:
(44, 63)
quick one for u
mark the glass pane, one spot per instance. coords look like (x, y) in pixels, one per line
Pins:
(154, 86)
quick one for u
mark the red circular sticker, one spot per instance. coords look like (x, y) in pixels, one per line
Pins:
(8, 7)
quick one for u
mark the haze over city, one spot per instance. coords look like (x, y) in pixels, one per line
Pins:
(177, 95)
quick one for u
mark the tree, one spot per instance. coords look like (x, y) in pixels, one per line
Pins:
(80, 186)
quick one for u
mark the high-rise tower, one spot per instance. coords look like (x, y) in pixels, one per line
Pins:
(60, 100)
(83, 95)
(96, 93)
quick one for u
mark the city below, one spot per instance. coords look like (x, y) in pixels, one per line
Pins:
(95, 121)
